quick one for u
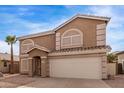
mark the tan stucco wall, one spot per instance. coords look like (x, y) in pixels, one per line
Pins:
(120, 57)
(87, 26)
(2, 68)
(47, 41)
(111, 67)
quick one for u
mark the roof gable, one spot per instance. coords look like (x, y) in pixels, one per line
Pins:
(83, 16)
(68, 21)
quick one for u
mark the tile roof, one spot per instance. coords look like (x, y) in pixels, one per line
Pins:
(81, 48)
(116, 52)
(120, 52)
(6, 56)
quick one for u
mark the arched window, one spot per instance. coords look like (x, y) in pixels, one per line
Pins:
(72, 38)
(26, 45)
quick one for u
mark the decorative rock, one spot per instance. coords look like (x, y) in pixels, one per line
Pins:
(1, 74)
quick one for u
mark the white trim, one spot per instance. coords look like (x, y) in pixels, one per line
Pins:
(36, 35)
(26, 69)
(30, 58)
(101, 42)
(57, 41)
(101, 36)
(42, 61)
(101, 32)
(122, 61)
(39, 47)
(27, 43)
(24, 51)
(71, 36)
(24, 55)
(43, 57)
(101, 26)
(94, 17)
(73, 29)
(71, 41)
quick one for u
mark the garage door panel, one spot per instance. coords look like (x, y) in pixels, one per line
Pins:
(76, 68)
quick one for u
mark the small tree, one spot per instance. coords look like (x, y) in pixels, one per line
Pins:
(111, 57)
(11, 40)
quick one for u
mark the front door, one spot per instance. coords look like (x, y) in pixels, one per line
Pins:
(37, 66)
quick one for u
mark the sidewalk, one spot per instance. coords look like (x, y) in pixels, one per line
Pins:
(8, 76)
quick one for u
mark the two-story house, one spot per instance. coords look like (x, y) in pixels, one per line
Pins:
(75, 49)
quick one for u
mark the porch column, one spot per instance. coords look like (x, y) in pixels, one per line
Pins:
(43, 66)
(30, 67)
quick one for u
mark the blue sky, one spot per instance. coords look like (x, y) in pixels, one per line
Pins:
(23, 20)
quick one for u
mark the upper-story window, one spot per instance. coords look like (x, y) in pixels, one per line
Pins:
(71, 38)
(26, 45)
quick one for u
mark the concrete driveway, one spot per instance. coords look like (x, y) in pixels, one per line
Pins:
(118, 82)
(23, 81)
(66, 83)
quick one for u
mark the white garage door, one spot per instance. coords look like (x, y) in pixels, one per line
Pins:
(76, 68)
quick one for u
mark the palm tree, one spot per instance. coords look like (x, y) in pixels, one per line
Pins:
(111, 58)
(11, 39)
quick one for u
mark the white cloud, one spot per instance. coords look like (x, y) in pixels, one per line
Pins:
(110, 11)
(5, 48)
(70, 6)
(23, 9)
(115, 26)
(40, 27)
(19, 25)
(114, 30)
(24, 27)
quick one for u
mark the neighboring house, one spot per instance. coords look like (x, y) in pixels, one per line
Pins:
(5, 60)
(120, 58)
(75, 49)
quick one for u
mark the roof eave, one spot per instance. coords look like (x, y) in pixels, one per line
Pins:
(96, 17)
(107, 19)
(35, 35)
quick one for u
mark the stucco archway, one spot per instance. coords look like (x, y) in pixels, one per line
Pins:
(38, 57)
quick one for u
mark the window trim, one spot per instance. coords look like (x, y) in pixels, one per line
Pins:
(27, 64)
(69, 45)
(5, 63)
(27, 44)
